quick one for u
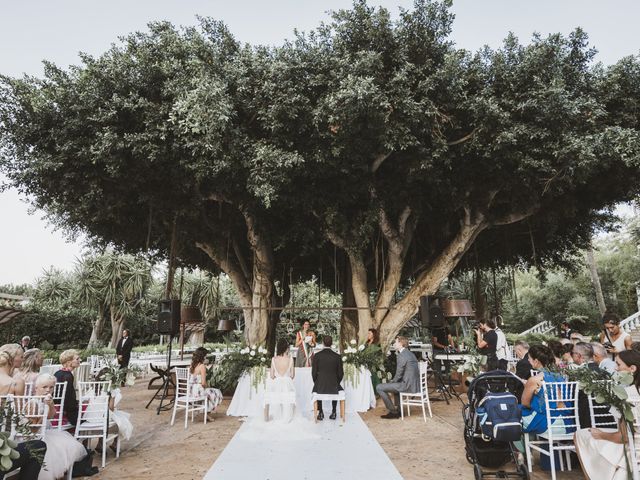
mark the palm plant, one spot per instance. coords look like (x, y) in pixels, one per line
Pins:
(112, 284)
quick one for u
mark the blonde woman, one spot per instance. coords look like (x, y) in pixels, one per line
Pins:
(63, 450)
(70, 360)
(8, 384)
(31, 363)
(16, 353)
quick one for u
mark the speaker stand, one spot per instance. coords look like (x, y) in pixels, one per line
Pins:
(163, 391)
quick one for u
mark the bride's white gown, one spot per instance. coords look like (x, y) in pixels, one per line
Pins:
(280, 394)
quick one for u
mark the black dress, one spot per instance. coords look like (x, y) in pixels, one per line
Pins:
(70, 401)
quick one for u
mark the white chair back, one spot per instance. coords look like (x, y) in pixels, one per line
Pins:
(599, 414)
(59, 394)
(35, 410)
(182, 382)
(29, 388)
(93, 415)
(93, 407)
(47, 361)
(561, 401)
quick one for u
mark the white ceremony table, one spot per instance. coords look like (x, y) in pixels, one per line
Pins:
(249, 402)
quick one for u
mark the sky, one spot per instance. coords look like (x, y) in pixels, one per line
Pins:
(34, 30)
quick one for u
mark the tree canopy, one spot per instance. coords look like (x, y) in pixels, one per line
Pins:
(371, 146)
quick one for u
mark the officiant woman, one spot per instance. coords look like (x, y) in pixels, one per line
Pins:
(305, 342)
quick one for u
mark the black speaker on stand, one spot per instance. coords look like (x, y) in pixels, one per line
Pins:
(168, 324)
(431, 314)
(432, 317)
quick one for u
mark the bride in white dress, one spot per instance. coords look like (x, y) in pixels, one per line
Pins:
(280, 395)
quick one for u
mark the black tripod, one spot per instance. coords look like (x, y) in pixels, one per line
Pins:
(167, 382)
(443, 384)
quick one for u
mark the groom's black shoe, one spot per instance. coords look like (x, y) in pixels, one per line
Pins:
(391, 415)
(332, 416)
(320, 415)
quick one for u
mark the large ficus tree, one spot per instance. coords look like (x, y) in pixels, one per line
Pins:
(371, 144)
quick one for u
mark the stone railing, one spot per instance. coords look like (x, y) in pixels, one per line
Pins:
(543, 327)
(631, 323)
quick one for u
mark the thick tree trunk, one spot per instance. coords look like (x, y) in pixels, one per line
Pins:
(349, 318)
(117, 324)
(255, 293)
(595, 280)
(96, 331)
(428, 282)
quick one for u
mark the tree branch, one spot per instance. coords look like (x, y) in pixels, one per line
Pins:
(463, 139)
(379, 160)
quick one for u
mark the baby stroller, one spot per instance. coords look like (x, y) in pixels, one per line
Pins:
(492, 422)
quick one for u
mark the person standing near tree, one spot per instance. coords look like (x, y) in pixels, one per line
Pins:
(123, 349)
(305, 342)
(614, 339)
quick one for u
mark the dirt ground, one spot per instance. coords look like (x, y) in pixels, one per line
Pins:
(419, 450)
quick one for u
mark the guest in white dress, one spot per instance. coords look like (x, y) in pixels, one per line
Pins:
(601, 451)
(614, 338)
(280, 397)
(63, 450)
(198, 382)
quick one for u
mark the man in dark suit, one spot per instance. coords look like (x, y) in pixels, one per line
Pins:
(406, 379)
(123, 349)
(327, 373)
(583, 357)
(523, 367)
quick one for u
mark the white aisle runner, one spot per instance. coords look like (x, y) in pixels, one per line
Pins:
(303, 450)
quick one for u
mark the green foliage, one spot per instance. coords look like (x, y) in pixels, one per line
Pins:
(370, 357)
(367, 122)
(226, 373)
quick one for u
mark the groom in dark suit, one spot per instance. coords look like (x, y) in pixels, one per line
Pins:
(123, 349)
(327, 373)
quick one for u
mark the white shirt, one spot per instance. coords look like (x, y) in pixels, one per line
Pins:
(608, 365)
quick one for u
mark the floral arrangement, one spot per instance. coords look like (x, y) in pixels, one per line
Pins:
(19, 426)
(474, 360)
(607, 390)
(226, 373)
(119, 376)
(356, 356)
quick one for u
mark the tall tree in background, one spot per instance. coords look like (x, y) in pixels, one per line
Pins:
(113, 285)
(370, 137)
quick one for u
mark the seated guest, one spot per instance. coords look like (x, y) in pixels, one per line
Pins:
(523, 367)
(63, 450)
(30, 460)
(567, 356)
(70, 360)
(8, 384)
(601, 451)
(558, 351)
(406, 379)
(198, 382)
(582, 355)
(583, 358)
(534, 415)
(602, 358)
(16, 353)
(31, 364)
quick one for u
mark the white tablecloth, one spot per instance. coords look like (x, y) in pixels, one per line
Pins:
(249, 402)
